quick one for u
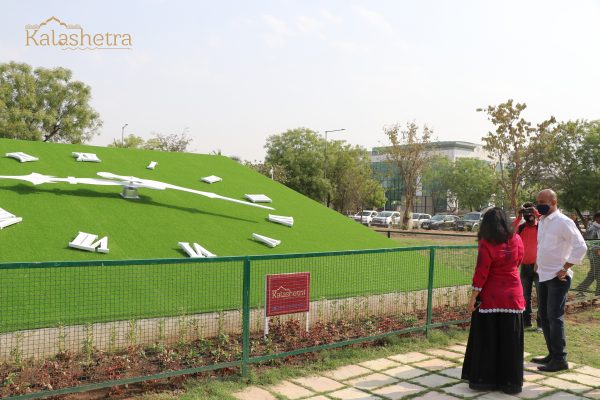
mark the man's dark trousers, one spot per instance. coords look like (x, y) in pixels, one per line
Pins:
(529, 278)
(552, 297)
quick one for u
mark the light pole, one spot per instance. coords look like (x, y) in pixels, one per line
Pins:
(123, 135)
(325, 169)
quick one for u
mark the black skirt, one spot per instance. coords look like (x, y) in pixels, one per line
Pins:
(494, 356)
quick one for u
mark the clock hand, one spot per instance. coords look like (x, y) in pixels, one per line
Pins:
(138, 182)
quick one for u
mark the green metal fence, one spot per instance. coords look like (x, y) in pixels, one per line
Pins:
(77, 326)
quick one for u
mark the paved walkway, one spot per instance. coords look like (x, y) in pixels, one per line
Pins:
(431, 375)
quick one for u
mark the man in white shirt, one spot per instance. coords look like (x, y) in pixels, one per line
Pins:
(560, 246)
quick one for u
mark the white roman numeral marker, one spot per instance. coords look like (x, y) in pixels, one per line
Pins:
(196, 251)
(87, 241)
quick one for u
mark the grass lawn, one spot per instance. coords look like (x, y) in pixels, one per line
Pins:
(583, 336)
(43, 297)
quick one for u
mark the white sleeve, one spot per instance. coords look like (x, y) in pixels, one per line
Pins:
(578, 246)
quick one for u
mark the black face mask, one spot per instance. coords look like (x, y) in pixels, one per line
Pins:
(543, 208)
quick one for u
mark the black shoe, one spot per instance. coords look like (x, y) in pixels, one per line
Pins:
(541, 360)
(554, 366)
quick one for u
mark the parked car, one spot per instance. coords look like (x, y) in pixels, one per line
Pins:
(440, 222)
(469, 222)
(418, 219)
(365, 217)
(387, 218)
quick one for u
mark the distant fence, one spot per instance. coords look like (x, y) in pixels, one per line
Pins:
(78, 326)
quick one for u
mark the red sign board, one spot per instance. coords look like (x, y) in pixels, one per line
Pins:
(287, 293)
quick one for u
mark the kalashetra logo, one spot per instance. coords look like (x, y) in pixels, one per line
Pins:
(55, 33)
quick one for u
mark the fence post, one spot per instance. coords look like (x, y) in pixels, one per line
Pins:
(430, 289)
(246, 318)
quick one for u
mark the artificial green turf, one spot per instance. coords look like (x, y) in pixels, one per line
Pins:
(43, 297)
(151, 226)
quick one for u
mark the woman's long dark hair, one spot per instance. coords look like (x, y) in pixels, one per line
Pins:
(496, 227)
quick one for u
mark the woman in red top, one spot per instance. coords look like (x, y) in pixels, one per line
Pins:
(494, 356)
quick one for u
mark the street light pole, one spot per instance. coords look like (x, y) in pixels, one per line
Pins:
(123, 135)
(325, 169)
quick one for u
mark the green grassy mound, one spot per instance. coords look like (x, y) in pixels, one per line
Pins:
(35, 296)
(151, 226)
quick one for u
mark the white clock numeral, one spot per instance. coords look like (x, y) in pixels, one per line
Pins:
(87, 241)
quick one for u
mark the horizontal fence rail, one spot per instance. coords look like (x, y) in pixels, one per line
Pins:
(69, 327)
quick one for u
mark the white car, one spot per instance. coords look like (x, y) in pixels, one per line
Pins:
(418, 219)
(387, 218)
(365, 217)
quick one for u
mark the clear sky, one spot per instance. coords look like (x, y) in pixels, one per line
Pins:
(235, 72)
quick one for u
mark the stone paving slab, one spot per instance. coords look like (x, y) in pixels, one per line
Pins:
(584, 379)
(319, 383)
(399, 390)
(405, 372)
(290, 390)
(424, 378)
(531, 366)
(372, 381)
(497, 396)
(347, 372)
(254, 393)
(411, 357)
(455, 372)
(593, 394)
(457, 348)
(589, 371)
(435, 364)
(533, 390)
(379, 364)
(462, 390)
(565, 385)
(445, 354)
(433, 380)
(433, 395)
(530, 376)
(563, 396)
(352, 394)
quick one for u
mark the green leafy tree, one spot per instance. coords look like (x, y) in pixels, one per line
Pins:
(45, 104)
(299, 155)
(173, 142)
(514, 146)
(409, 153)
(129, 142)
(472, 182)
(351, 178)
(436, 180)
(571, 164)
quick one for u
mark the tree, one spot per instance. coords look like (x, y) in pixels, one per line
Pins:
(351, 178)
(514, 146)
(45, 104)
(571, 164)
(472, 182)
(173, 142)
(436, 178)
(408, 152)
(299, 155)
(131, 142)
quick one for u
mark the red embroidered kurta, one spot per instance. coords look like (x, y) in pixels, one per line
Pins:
(497, 276)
